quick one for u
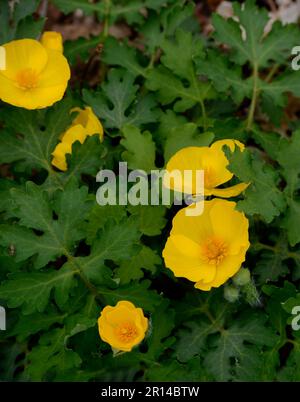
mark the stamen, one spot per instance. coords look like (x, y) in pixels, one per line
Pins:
(126, 332)
(214, 251)
(27, 79)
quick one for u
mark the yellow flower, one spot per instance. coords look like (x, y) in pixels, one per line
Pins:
(123, 326)
(52, 40)
(35, 76)
(210, 248)
(212, 161)
(85, 124)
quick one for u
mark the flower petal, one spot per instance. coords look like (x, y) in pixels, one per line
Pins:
(24, 54)
(228, 192)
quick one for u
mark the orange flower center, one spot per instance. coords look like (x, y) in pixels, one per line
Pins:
(214, 251)
(27, 79)
(126, 332)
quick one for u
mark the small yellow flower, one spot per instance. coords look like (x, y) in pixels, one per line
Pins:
(212, 161)
(210, 248)
(123, 326)
(52, 40)
(35, 76)
(84, 125)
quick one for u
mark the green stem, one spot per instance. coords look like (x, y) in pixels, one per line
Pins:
(204, 115)
(77, 270)
(106, 20)
(272, 72)
(152, 61)
(254, 98)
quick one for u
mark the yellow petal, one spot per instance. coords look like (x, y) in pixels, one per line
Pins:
(195, 228)
(24, 54)
(228, 268)
(89, 121)
(59, 164)
(203, 286)
(229, 225)
(183, 257)
(210, 160)
(127, 304)
(57, 72)
(230, 143)
(73, 134)
(229, 192)
(124, 316)
(52, 40)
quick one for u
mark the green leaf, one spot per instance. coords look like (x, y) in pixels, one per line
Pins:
(262, 197)
(151, 219)
(99, 216)
(185, 135)
(17, 22)
(32, 292)
(162, 324)
(270, 266)
(58, 236)
(249, 45)
(34, 323)
(140, 149)
(9, 362)
(115, 243)
(167, 79)
(252, 45)
(68, 6)
(289, 161)
(117, 105)
(119, 54)
(138, 293)
(132, 270)
(51, 353)
(227, 78)
(231, 345)
(80, 48)
(173, 371)
(4, 19)
(31, 136)
(193, 341)
(114, 9)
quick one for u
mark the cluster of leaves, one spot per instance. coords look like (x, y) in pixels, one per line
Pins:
(63, 257)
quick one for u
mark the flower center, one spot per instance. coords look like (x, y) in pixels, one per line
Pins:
(214, 251)
(126, 332)
(27, 79)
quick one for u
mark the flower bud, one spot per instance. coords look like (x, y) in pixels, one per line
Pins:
(242, 277)
(231, 293)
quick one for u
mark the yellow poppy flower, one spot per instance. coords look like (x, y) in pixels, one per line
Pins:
(123, 326)
(52, 40)
(35, 76)
(212, 161)
(210, 248)
(85, 124)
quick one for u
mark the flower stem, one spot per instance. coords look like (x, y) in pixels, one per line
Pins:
(106, 20)
(254, 98)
